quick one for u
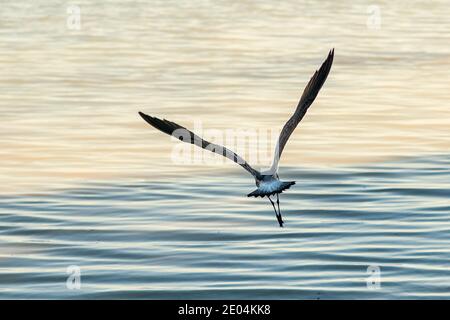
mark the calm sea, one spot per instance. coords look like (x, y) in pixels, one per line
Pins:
(94, 204)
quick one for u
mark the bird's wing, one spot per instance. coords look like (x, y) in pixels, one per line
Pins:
(183, 134)
(308, 96)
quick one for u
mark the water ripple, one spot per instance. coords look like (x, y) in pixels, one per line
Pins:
(204, 238)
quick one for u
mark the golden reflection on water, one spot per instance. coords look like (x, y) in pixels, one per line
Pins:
(69, 99)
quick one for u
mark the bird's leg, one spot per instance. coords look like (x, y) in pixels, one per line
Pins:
(279, 211)
(278, 216)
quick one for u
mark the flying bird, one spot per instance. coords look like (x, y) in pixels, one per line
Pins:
(268, 182)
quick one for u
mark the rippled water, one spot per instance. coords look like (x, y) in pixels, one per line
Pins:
(202, 238)
(85, 182)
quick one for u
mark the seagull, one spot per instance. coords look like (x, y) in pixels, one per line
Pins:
(268, 182)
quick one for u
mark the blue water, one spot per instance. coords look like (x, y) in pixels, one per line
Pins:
(87, 185)
(203, 238)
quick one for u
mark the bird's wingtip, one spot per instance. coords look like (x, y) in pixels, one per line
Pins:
(144, 116)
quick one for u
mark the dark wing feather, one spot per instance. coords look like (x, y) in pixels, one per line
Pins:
(309, 94)
(183, 134)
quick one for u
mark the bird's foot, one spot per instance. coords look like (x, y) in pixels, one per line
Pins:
(280, 220)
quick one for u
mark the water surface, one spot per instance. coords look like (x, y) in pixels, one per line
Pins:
(202, 238)
(85, 182)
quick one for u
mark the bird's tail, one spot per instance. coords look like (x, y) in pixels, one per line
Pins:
(263, 191)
